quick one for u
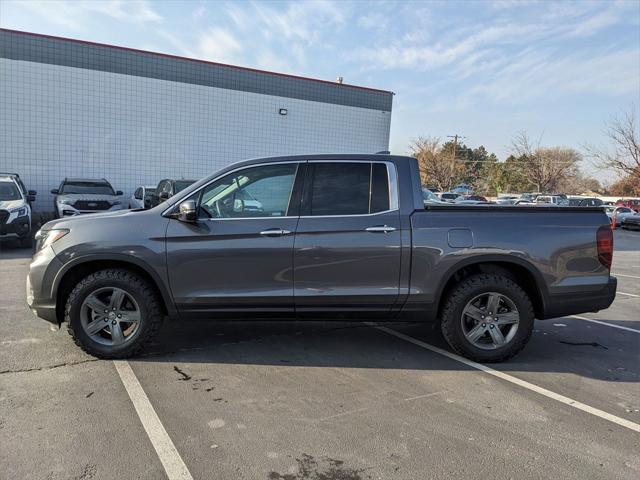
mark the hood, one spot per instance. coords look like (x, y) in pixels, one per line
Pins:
(67, 222)
(11, 204)
(87, 197)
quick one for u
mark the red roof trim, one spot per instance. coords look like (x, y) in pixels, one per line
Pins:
(177, 57)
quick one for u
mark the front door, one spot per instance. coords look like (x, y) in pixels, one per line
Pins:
(238, 256)
(347, 248)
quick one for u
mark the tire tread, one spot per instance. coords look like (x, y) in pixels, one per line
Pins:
(458, 295)
(152, 303)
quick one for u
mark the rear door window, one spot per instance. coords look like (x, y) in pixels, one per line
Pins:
(345, 188)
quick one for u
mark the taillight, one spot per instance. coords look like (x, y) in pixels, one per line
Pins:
(604, 240)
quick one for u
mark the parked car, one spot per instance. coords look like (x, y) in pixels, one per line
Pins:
(585, 202)
(633, 204)
(530, 197)
(76, 196)
(552, 199)
(475, 198)
(15, 209)
(507, 199)
(631, 222)
(30, 195)
(463, 189)
(620, 212)
(339, 237)
(142, 197)
(428, 197)
(167, 188)
(449, 196)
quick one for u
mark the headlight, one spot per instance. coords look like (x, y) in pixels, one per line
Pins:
(20, 212)
(65, 202)
(48, 237)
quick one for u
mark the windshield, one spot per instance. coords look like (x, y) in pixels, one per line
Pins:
(9, 191)
(182, 184)
(96, 188)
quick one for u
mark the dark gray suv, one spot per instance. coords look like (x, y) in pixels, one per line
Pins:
(321, 236)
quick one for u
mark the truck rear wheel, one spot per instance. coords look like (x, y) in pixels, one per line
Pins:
(487, 318)
(113, 313)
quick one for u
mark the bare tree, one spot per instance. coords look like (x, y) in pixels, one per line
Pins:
(436, 168)
(623, 134)
(544, 167)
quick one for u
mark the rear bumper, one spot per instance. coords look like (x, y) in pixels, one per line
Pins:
(581, 302)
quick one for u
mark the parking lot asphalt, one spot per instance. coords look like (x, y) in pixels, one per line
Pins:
(323, 400)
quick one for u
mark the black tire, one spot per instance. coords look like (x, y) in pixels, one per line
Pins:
(151, 314)
(463, 293)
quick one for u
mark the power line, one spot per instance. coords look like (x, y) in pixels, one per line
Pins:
(455, 143)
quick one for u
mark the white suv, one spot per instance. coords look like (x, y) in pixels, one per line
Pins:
(85, 195)
(15, 210)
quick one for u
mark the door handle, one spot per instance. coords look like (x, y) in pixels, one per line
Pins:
(275, 232)
(381, 229)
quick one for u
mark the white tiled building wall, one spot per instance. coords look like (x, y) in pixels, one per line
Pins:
(58, 122)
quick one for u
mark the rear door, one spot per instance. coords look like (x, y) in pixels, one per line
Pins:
(347, 244)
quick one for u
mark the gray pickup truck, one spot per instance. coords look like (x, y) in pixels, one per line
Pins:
(323, 237)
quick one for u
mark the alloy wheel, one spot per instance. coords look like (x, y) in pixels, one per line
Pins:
(490, 320)
(110, 316)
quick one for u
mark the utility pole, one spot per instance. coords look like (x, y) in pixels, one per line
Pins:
(455, 143)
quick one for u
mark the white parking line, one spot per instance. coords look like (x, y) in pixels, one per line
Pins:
(509, 378)
(600, 322)
(628, 276)
(166, 450)
(629, 294)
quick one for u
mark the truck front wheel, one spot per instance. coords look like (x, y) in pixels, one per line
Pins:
(487, 318)
(113, 313)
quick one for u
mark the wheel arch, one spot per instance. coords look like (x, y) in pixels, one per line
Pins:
(77, 269)
(520, 271)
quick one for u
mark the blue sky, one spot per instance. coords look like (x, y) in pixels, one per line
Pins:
(485, 70)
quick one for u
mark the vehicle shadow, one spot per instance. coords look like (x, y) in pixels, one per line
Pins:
(361, 345)
(12, 249)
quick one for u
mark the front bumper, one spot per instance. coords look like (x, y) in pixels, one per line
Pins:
(20, 227)
(42, 271)
(581, 302)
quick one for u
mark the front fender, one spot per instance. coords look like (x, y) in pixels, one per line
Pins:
(158, 279)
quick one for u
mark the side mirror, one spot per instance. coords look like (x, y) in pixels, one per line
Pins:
(54, 191)
(163, 195)
(32, 192)
(238, 206)
(118, 192)
(31, 197)
(188, 212)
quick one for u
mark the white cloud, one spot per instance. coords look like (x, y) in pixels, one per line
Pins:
(219, 45)
(134, 11)
(302, 20)
(540, 75)
(76, 15)
(373, 20)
